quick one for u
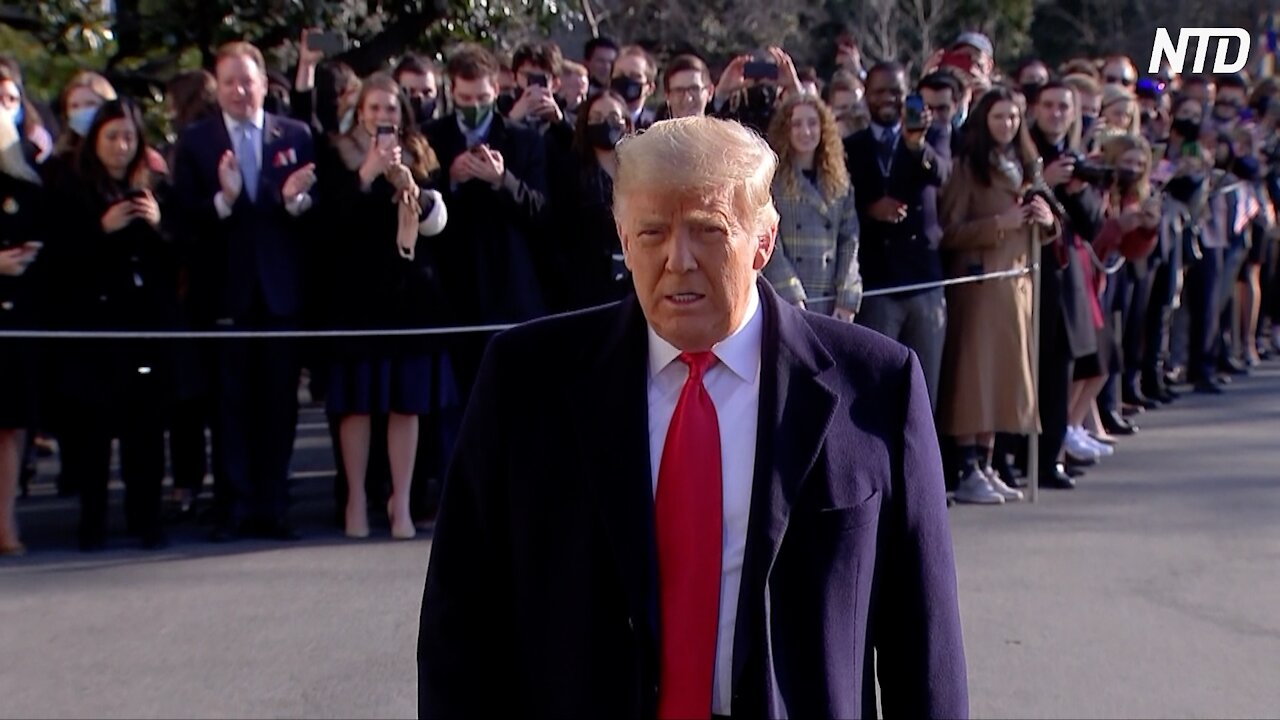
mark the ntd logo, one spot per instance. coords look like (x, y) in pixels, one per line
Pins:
(1177, 55)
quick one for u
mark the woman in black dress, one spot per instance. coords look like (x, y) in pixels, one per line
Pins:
(21, 224)
(378, 181)
(112, 269)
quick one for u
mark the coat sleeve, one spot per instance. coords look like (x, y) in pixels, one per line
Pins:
(527, 191)
(960, 230)
(848, 274)
(466, 623)
(781, 273)
(917, 634)
(193, 195)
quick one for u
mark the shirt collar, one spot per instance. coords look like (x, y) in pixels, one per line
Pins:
(740, 352)
(257, 120)
(880, 130)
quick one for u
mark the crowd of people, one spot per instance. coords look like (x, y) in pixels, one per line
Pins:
(481, 192)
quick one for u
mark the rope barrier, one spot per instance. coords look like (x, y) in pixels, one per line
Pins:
(404, 332)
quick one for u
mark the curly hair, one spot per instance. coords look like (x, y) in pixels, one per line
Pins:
(1116, 147)
(833, 174)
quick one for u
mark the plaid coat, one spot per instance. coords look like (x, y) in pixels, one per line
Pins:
(817, 252)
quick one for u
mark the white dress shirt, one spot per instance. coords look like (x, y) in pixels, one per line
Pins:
(734, 386)
(295, 205)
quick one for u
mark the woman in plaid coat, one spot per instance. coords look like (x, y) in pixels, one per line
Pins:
(815, 265)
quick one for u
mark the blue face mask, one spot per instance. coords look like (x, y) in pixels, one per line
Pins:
(80, 120)
(21, 117)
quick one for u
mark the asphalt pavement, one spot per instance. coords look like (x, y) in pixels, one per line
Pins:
(1151, 591)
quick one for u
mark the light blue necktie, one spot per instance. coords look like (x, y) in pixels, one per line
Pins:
(248, 151)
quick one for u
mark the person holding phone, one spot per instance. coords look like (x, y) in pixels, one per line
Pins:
(988, 221)
(24, 217)
(385, 208)
(815, 265)
(113, 269)
(752, 86)
(892, 164)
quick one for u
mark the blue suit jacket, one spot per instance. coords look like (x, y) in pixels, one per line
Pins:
(260, 246)
(541, 596)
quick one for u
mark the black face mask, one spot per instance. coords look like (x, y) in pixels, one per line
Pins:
(423, 108)
(629, 88)
(762, 96)
(506, 101)
(1247, 168)
(1187, 128)
(1126, 179)
(604, 136)
(1183, 187)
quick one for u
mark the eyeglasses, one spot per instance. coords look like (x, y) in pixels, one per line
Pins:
(1114, 80)
(690, 92)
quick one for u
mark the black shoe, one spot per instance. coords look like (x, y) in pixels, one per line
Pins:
(1056, 478)
(225, 533)
(1231, 366)
(278, 531)
(1139, 399)
(1115, 424)
(1080, 462)
(154, 540)
(1209, 388)
(1075, 472)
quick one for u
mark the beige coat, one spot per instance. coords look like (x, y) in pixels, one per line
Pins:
(986, 374)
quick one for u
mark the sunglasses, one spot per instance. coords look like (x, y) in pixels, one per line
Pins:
(1114, 80)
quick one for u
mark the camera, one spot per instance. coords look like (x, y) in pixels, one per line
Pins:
(1092, 172)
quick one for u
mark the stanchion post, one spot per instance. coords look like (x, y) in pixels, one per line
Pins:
(1033, 442)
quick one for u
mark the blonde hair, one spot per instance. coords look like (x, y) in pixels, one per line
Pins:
(833, 174)
(1115, 148)
(704, 155)
(1112, 95)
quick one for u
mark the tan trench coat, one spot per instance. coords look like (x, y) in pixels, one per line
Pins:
(986, 373)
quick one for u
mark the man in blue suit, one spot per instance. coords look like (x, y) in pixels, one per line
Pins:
(244, 180)
(697, 502)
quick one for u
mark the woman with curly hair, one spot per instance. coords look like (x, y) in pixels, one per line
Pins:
(816, 263)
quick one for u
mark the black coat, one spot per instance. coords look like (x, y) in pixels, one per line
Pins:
(895, 254)
(487, 258)
(125, 280)
(23, 218)
(588, 236)
(541, 598)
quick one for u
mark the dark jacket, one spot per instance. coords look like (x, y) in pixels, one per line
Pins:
(488, 252)
(259, 249)
(582, 196)
(95, 280)
(902, 253)
(848, 575)
(1063, 284)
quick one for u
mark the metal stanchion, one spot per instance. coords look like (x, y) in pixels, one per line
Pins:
(1033, 442)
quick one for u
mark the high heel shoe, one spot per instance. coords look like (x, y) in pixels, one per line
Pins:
(400, 531)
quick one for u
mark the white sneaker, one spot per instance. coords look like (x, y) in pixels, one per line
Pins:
(975, 488)
(1078, 448)
(1103, 450)
(1001, 488)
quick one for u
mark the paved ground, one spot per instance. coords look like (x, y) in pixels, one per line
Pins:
(1151, 591)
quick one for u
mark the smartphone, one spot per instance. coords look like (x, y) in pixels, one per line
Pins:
(135, 194)
(758, 70)
(957, 59)
(537, 79)
(386, 135)
(330, 42)
(913, 113)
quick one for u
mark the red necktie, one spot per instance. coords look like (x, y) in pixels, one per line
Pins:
(689, 517)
